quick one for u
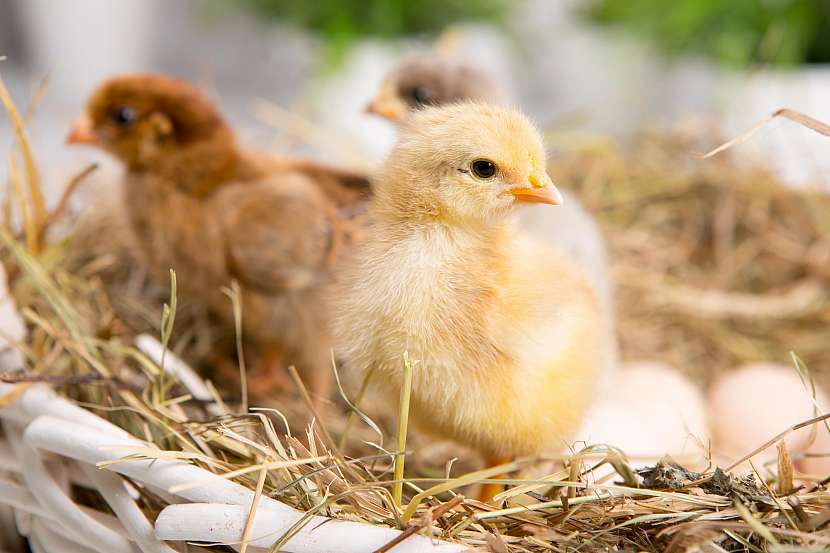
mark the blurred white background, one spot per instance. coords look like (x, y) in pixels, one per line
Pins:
(560, 69)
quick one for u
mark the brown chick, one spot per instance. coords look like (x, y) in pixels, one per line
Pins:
(505, 334)
(200, 204)
(427, 80)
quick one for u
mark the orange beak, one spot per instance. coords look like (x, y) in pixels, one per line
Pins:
(392, 110)
(83, 132)
(540, 191)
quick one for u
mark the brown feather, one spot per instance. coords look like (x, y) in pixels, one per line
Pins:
(200, 204)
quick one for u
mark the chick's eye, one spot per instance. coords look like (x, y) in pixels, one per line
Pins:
(483, 168)
(124, 116)
(420, 95)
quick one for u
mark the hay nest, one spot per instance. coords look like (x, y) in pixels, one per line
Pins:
(716, 263)
(685, 236)
(78, 344)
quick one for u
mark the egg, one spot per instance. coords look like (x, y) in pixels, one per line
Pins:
(751, 404)
(651, 410)
(820, 464)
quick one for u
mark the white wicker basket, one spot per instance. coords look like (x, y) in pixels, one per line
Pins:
(50, 443)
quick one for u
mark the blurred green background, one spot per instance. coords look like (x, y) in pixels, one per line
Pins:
(734, 32)
(343, 22)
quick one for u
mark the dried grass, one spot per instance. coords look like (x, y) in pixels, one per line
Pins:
(681, 231)
(716, 262)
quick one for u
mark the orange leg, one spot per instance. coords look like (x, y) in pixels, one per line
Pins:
(313, 366)
(319, 386)
(269, 374)
(489, 490)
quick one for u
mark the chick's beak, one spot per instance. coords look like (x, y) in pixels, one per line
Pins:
(392, 110)
(82, 132)
(540, 190)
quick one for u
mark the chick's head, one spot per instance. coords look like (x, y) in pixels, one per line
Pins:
(465, 162)
(141, 118)
(423, 81)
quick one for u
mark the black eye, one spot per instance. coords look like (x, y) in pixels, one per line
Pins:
(421, 95)
(484, 168)
(124, 116)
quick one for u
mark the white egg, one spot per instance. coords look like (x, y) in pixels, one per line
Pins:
(751, 404)
(820, 447)
(651, 410)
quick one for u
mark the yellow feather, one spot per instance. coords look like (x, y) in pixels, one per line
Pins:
(506, 336)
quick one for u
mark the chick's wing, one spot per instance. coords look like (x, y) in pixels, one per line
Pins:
(341, 186)
(278, 232)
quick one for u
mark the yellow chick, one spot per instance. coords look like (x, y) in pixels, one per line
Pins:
(431, 80)
(505, 333)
